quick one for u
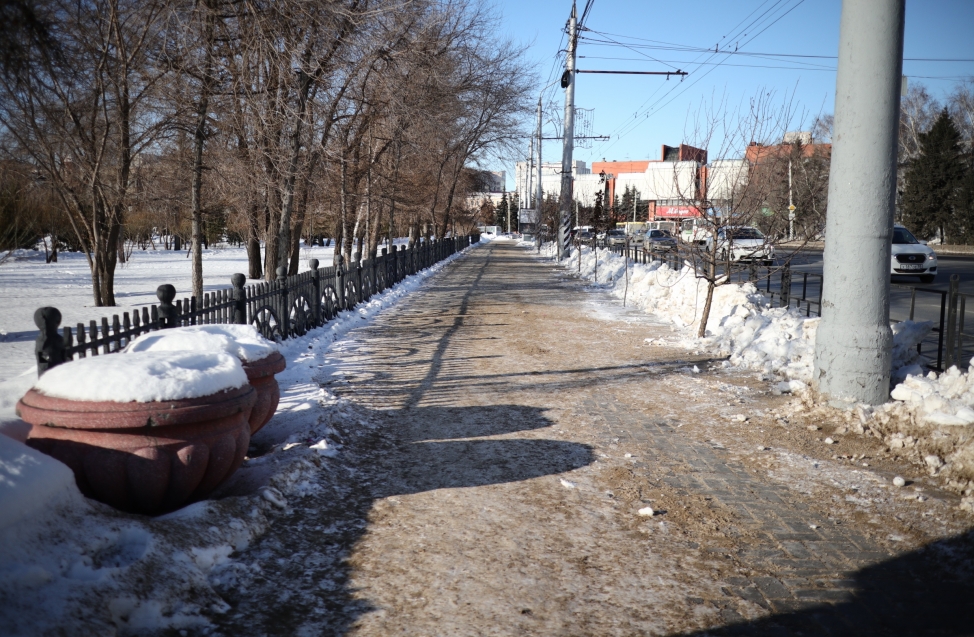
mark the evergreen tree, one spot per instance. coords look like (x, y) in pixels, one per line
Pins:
(503, 208)
(933, 181)
(600, 219)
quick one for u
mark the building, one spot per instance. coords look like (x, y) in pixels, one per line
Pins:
(671, 187)
(550, 179)
(489, 185)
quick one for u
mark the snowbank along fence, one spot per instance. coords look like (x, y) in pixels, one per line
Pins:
(780, 284)
(948, 343)
(280, 309)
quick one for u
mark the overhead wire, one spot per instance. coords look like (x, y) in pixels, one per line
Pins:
(626, 127)
(761, 22)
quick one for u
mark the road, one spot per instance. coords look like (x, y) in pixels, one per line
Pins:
(925, 299)
(510, 429)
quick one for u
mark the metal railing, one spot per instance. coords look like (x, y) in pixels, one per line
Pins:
(280, 309)
(948, 312)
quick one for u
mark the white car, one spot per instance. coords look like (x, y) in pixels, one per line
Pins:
(742, 243)
(912, 258)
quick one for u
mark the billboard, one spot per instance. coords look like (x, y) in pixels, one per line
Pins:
(670, 212)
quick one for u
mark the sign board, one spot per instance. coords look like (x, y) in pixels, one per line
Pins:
(527, 215)
(677, 211)
(792, 207)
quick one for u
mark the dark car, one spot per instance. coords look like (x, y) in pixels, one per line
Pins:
(585, 236)
(659, 241)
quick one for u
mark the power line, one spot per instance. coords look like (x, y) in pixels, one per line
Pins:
(733, 33)
(746, 66)
(637, 121)
(697, 49)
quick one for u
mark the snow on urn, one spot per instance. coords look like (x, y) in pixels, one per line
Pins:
(145, 433)
(260, 357)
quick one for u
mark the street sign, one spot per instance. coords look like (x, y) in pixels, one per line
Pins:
(791, 207)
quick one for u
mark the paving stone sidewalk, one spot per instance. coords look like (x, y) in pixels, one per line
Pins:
(519, 423)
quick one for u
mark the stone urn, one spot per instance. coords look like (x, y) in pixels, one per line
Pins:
(260, 357)
(144, 455)
(260, 374)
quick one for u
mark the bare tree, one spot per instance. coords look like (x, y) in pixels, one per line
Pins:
(737, 189)
(918, 110)
(81, 108)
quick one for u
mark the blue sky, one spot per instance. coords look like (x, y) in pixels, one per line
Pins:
(643, 112)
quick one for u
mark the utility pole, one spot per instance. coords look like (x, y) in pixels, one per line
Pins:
(539, 195)
(527, 189)
(791, 207)
(854, 341)
(508, 217)
(568, 141)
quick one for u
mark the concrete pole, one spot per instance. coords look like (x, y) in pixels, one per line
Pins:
(791, 207)
(539, 195)
(853, 345)
(568, 141)
(527, 191)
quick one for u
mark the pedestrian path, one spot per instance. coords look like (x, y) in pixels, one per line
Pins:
(519, 429)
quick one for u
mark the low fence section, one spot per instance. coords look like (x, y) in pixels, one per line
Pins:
(280, 309)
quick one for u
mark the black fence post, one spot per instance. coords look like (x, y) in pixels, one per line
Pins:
(950, 349)
(316, 290)
(285, 302)
(357, 277)
(239, 299)
(393, 265)
(49, 346)
(168, 315)
(340, 281)
(786, 285)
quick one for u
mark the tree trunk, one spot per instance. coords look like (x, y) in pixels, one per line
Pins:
(346, 241)
(272, 242)
(705, 316)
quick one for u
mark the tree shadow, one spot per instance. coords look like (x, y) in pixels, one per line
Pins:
(305, 580)
(929, 591)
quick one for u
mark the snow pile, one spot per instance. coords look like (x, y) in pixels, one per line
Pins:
(242, 341)
(945, 400)
(144, 377)
(29, 480)
(778, 342)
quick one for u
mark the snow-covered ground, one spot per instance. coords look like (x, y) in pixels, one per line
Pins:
(929, 414)
(60, 551)
(27, 283)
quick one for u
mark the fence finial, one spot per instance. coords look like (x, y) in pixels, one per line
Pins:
(282, 273)
(167, 311)
(49, 346)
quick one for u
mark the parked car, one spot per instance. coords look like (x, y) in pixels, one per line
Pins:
(615, 237)
(742, 243)
(659, 241)
(585, 236)
(911, 257)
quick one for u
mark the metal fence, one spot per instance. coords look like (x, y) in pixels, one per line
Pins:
(948, 344)
(280, 309)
